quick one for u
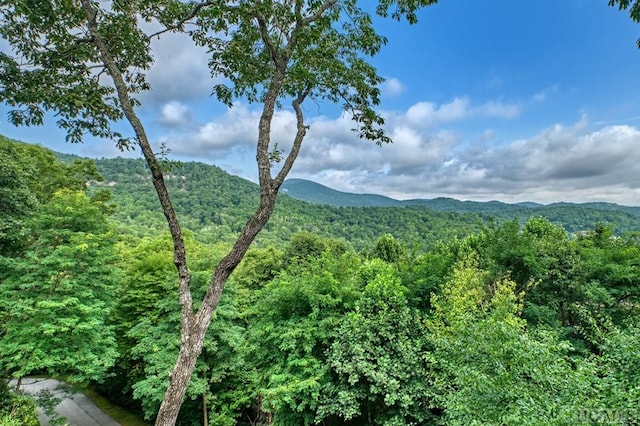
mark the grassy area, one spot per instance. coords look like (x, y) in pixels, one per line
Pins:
(120, 415)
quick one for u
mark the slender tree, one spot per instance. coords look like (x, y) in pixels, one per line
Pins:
(85, 60)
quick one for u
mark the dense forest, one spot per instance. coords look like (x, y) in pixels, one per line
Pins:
(336, 316)
(215, 205)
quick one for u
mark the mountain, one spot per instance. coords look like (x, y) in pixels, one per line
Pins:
(453, 205)
(319, 194)
(315, 193)
(215, 205)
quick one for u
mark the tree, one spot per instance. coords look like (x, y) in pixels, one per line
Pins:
(487, 368)
(611, 272)
(29, 176)
(387, 249)
(85, 61)
(381, 376)
(291, 327)
(55, 296)
(17, 199)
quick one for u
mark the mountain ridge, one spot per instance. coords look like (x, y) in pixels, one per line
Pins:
(316, 193)
(214, 205)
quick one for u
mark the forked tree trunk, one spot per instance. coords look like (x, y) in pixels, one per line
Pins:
(193, 334)
(194, 325)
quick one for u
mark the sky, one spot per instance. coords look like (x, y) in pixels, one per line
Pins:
(484, 100)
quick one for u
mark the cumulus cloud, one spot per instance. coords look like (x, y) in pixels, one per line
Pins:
(174, 113)
(180, 71)
(561, 163)
(392, 87)
(428, 114)
(428, 159)
(236, 129)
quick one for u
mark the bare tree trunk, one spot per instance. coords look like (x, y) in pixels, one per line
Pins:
(179, 380)
(205, 414)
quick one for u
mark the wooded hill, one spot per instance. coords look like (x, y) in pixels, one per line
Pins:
(215, 204)
(316, 193)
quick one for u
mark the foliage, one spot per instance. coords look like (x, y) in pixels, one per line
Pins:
(29, 176)
(323, 324)
(16, 410)
(487, 369)
(611, 266)
(634, 10)
(60, 287)
(387, 249)
(17, 199)
(291, 326)
(377, 358)
(619, 370)
(573, 217)
(309, 331)
(214, 205)
(156, 345)
(55, 71)
(148, 319)
(266, 52)
(259, 266)
(566, 283)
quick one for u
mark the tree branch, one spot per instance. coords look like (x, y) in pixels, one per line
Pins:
(264, 34)
(325, 6)
(178, 25)
(297, 142)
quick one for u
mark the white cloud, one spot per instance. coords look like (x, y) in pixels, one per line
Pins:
(392, 87)
(180, 71)
(236, 129)
(496, 109)
(174, 113)
(428, 114)
(559, 163)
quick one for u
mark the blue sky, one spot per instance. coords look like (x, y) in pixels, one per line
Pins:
(484, 99)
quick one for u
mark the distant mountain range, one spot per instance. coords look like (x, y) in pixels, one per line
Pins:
(213, 203)
(316, 193)
(214, 206)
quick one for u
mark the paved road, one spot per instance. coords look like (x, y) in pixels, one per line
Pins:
(76, 408)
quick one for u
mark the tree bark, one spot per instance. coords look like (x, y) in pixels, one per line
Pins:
(198, 324)
(194, 326)
(205, 413)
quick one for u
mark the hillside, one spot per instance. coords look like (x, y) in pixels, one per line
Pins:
(316, 193)
(573, 216)
(215, 205)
